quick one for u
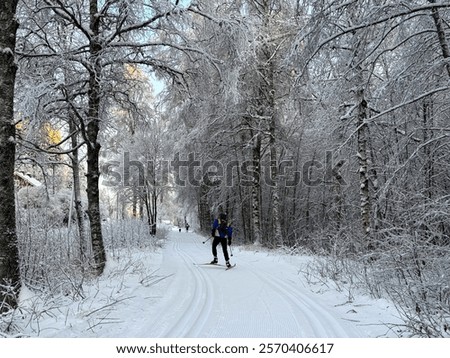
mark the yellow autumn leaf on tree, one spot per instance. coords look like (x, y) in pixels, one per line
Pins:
(53, 135)
(20, 126)
(132, 72)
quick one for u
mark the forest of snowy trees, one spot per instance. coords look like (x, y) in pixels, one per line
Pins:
(319, 126)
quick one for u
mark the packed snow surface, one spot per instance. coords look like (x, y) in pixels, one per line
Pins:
(173, 293)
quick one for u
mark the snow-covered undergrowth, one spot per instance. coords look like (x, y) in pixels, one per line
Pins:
(97, 301)
(411, 273)
(55, 282)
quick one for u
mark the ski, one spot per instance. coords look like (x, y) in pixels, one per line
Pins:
(208, 264)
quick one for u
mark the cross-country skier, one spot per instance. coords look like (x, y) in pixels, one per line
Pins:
(222, 233)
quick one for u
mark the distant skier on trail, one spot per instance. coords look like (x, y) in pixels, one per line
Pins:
(222, 233)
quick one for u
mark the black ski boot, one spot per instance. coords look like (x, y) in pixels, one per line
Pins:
(215, 261)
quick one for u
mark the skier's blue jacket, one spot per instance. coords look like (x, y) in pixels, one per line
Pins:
(217, 232)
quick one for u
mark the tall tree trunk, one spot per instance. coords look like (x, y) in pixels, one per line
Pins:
(276, 214)
(148, 209)
(9, 255)
(428, 167)
(93, 195)
(364, 193)
(363, 154)
(292, 217)
(134, 202)
(439, 23)
(203, 209)
(256, 190)
(373, 177)
(77, 192)
(270, 110)
(243, 201)
(276, 217)
(151, 202)
(266, 112)
(155, 211)
(93, 147)
(141, 203)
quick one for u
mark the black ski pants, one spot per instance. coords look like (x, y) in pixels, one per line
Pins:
(223, 241)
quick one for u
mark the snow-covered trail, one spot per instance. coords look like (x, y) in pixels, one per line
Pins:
(262, 297)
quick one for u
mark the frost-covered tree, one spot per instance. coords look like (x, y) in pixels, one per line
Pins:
(103, 37)
(9, 257)
(137, 142)
(235, 104)
(368, 55)
(380, 80)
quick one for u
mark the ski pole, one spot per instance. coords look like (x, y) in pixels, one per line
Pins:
(231, 251)
(207, 240)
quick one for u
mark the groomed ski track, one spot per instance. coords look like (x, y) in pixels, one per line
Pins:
(262, 297)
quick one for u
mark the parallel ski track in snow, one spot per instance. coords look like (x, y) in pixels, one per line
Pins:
(193, 319)
(203, 307)
(315, 320)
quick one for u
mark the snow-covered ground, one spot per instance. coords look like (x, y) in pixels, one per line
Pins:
(170, 294)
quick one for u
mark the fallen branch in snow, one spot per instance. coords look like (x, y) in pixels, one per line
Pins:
(151, 279)
(108, 305)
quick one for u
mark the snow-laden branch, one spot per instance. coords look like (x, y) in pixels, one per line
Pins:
(186, 49)
(61, 10)
(403, 104)
(367, 24)
(413, 155)
(392, 109)
(211, 18)
(33, 146)
(137, 26)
